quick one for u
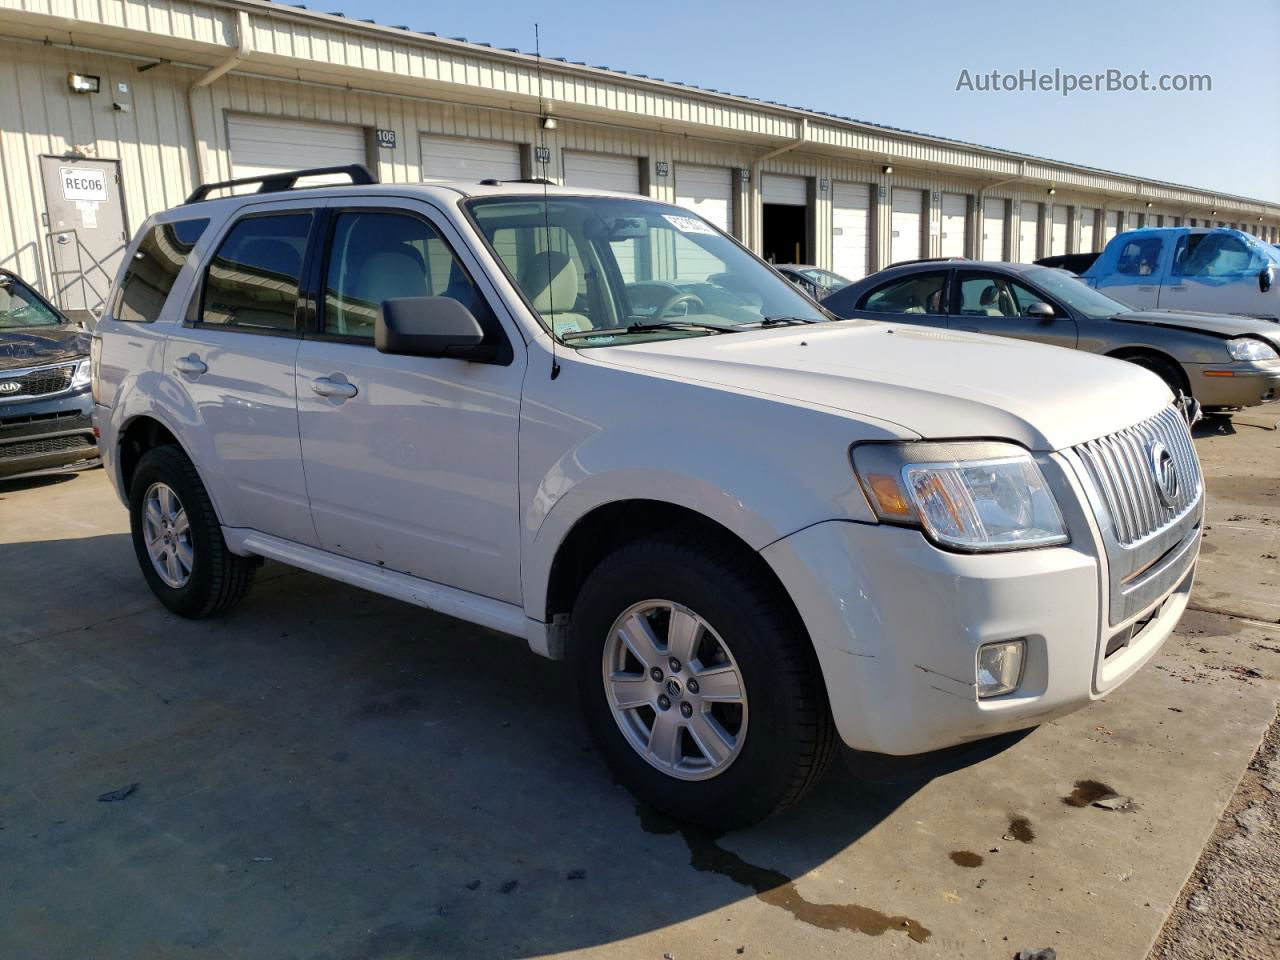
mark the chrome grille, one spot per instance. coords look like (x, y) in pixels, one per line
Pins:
(37, 382)
(1121, 468)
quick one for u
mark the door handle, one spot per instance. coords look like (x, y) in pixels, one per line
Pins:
(1145, 287)
(191, 364)
(328, 387)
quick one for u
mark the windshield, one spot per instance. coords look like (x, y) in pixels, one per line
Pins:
(1075, 293)
(20, 307)
(637, 269)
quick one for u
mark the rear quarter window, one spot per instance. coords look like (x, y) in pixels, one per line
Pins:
(153, 269)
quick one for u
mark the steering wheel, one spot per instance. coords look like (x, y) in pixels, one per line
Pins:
(695, 304)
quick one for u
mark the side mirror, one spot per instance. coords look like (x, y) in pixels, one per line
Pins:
(429, 327)
(1041, 311)
(1266, 278)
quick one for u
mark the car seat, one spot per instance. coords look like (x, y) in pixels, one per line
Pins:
(550, 281)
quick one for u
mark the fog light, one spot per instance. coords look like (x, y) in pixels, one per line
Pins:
(1000, 667)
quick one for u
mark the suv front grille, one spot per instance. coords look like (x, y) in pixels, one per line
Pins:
(39, 382)
(1123, 468)
(32, 448)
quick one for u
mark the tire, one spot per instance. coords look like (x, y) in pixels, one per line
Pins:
(208, 579)
(1166, 370)
(783, 731)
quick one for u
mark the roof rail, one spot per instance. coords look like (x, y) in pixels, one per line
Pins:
(285, 180)
(903, 263)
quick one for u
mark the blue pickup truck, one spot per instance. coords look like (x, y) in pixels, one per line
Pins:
(1189, 268)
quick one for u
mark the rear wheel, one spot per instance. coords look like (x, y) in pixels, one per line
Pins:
(178, 540)
(699, 683)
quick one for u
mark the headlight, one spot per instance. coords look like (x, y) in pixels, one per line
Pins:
(974, 497)
(1247, 348)
(81, 377)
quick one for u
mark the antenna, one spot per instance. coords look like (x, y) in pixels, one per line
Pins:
(544, 155)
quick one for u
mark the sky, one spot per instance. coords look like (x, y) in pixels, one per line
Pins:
(899, 63)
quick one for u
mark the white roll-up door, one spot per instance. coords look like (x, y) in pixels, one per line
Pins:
(602, 171)
(908, 205)
(1028, 232)
(1088, 217)
(460, 158)
(955, 224)
(1111, 226)
(993, 228)
(262, 145)
(1058, 236)
(708, 192)
(850, 229)
(789, 191)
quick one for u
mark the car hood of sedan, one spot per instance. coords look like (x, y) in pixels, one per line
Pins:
(937, 384)
(1217, 324)
(34, 346)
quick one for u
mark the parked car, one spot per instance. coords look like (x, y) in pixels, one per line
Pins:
(815, 281)
(1188, 268)
(754, 531)
(1221, 361)
(1077, 263)
(45, 405)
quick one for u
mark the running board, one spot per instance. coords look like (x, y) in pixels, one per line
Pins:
(483, 611)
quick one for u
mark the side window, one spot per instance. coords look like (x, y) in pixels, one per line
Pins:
(252, 281)
(1220, 255)
(379, 256)
(986, 296)
(1140, 257)
(918, 293)
(153, 269)
(20, 307)
(1023, 297)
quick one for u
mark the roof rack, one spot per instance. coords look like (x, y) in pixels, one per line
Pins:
(287, 180)
(495, 182)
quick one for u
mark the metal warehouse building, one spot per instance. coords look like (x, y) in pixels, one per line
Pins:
(113, 109)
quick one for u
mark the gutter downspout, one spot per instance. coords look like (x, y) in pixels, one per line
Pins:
(757, 202)
(982, 196)
(242, 50)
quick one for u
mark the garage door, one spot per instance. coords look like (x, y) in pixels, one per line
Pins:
(1058, 237)
(1088, 217)
(262, 145)
(458, 158)
(708, 192)
(955, 224)
(993, 227)
(1028, 232)
(1111, 226)
(850, 229)
(788, 191)
(908, 206)
(602, 171)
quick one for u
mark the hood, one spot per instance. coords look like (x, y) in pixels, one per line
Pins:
(35, 346)
(1218, 324)
(937, 384)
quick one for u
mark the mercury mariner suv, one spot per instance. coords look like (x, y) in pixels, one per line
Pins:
(596, 422)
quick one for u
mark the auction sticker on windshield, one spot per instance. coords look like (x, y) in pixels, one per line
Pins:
(688, 224)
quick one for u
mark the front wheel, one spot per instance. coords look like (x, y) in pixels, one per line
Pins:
(699, 682)
(178, 540)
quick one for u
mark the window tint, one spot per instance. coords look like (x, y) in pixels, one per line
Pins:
(918, 293)
(153, 269)
(1218, 255)
(385, 256)
(1140, 257)
(987, 295)
(252, 282)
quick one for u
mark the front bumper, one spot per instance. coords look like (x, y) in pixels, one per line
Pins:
(897, 624)
(47, 436)
(1241, 384)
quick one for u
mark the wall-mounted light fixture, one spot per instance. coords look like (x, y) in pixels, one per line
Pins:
(887, 168)
(549, 123)
(1052, 191)
(1148, 203)
(83, 83)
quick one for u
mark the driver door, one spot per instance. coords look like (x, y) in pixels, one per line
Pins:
(995, 304)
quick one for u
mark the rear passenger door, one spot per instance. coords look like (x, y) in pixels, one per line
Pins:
(411, 462)
(233, 357)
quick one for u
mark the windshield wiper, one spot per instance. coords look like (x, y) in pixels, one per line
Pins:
(782, 321)
(646, 327)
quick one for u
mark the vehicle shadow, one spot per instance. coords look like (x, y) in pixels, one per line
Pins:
(341, 775)
(1214, 425)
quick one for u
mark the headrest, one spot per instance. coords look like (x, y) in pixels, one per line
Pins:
(550, 281)
(989, 295)
(390, 275)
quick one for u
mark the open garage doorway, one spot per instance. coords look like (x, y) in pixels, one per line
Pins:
(785, 221)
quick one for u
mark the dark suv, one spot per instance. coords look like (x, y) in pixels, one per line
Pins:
(45, 403)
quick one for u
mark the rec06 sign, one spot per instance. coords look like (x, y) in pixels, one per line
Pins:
(83, 184)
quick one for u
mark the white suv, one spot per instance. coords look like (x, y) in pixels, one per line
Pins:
(596, 422)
